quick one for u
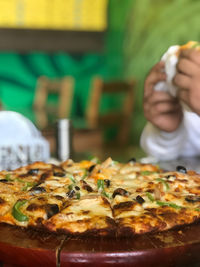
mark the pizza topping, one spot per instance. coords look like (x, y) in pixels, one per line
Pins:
(33, 207)
(8, 177)
(71, 177)
(38, 189)
(132, 160)
(51, 209)
(95, 160)
(59, 174)
(181, 169)
(107, 182)
(150, 196)
(165, 184)
(78, 195)
(192, 198)
(3, 180)
(73, 191)
(33, 171)
(77, 187)
(100, 185)
(70, 193)
(172, 176)
(146, 173)
(139, 199)
(85, 174)
(119, 191)
(169, 204)
(157, 193)
(58, 197)
(86, 186)
(90, 169)
(17, 214)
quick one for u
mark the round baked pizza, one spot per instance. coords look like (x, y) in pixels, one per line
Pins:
(99, 198)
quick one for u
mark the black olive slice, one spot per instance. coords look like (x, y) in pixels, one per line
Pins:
(181, 169)
(86, 186)
(51, 209)
(169, 176)
(90, 169)
(33, 171)
(38, 189)
(107, 182)
(119, 191)
(59, 174)
(192, 198)
(4, 181)
(140, 199)
(132, 160)
(77, 188)
(71, 193)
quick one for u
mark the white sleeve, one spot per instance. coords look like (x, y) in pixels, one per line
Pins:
(184, 142)
(191, 145)
(162, 145)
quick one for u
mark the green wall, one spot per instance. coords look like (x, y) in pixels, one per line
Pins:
(19, 72)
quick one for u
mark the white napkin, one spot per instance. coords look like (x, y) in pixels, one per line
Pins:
(170, 58)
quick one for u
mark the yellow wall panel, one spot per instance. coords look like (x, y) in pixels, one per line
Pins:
(54, 14)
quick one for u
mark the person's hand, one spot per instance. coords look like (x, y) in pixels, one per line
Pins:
(160, 108)
(188, 78)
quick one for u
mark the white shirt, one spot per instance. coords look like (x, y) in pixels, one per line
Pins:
(184, 142)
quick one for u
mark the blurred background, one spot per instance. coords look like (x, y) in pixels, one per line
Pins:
(115, 40)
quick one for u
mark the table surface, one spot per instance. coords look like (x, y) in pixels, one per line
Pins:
(178, 247)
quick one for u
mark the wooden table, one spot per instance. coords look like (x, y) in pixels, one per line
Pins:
(178, 247)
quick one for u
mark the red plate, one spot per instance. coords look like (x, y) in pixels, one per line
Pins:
(171, 248)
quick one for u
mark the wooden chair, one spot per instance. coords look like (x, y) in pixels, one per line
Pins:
(46, 110)
(120, 118)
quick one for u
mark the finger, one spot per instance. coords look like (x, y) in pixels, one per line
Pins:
(156, 104)
(165, 107)
(155, 72)
(159, 96)
(152, 81)
(159, 66)
(182, 81)
(155, 75)
(152, 113)
(191, 54)
(187, 67)
(183, 94)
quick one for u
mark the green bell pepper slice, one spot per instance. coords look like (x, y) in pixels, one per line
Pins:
(166, 185)
(150, 197)
(169, 204)
(17, 214)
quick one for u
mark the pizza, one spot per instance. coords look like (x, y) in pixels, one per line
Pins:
(99, 198)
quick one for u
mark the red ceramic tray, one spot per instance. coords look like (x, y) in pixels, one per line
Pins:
(178, 247)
